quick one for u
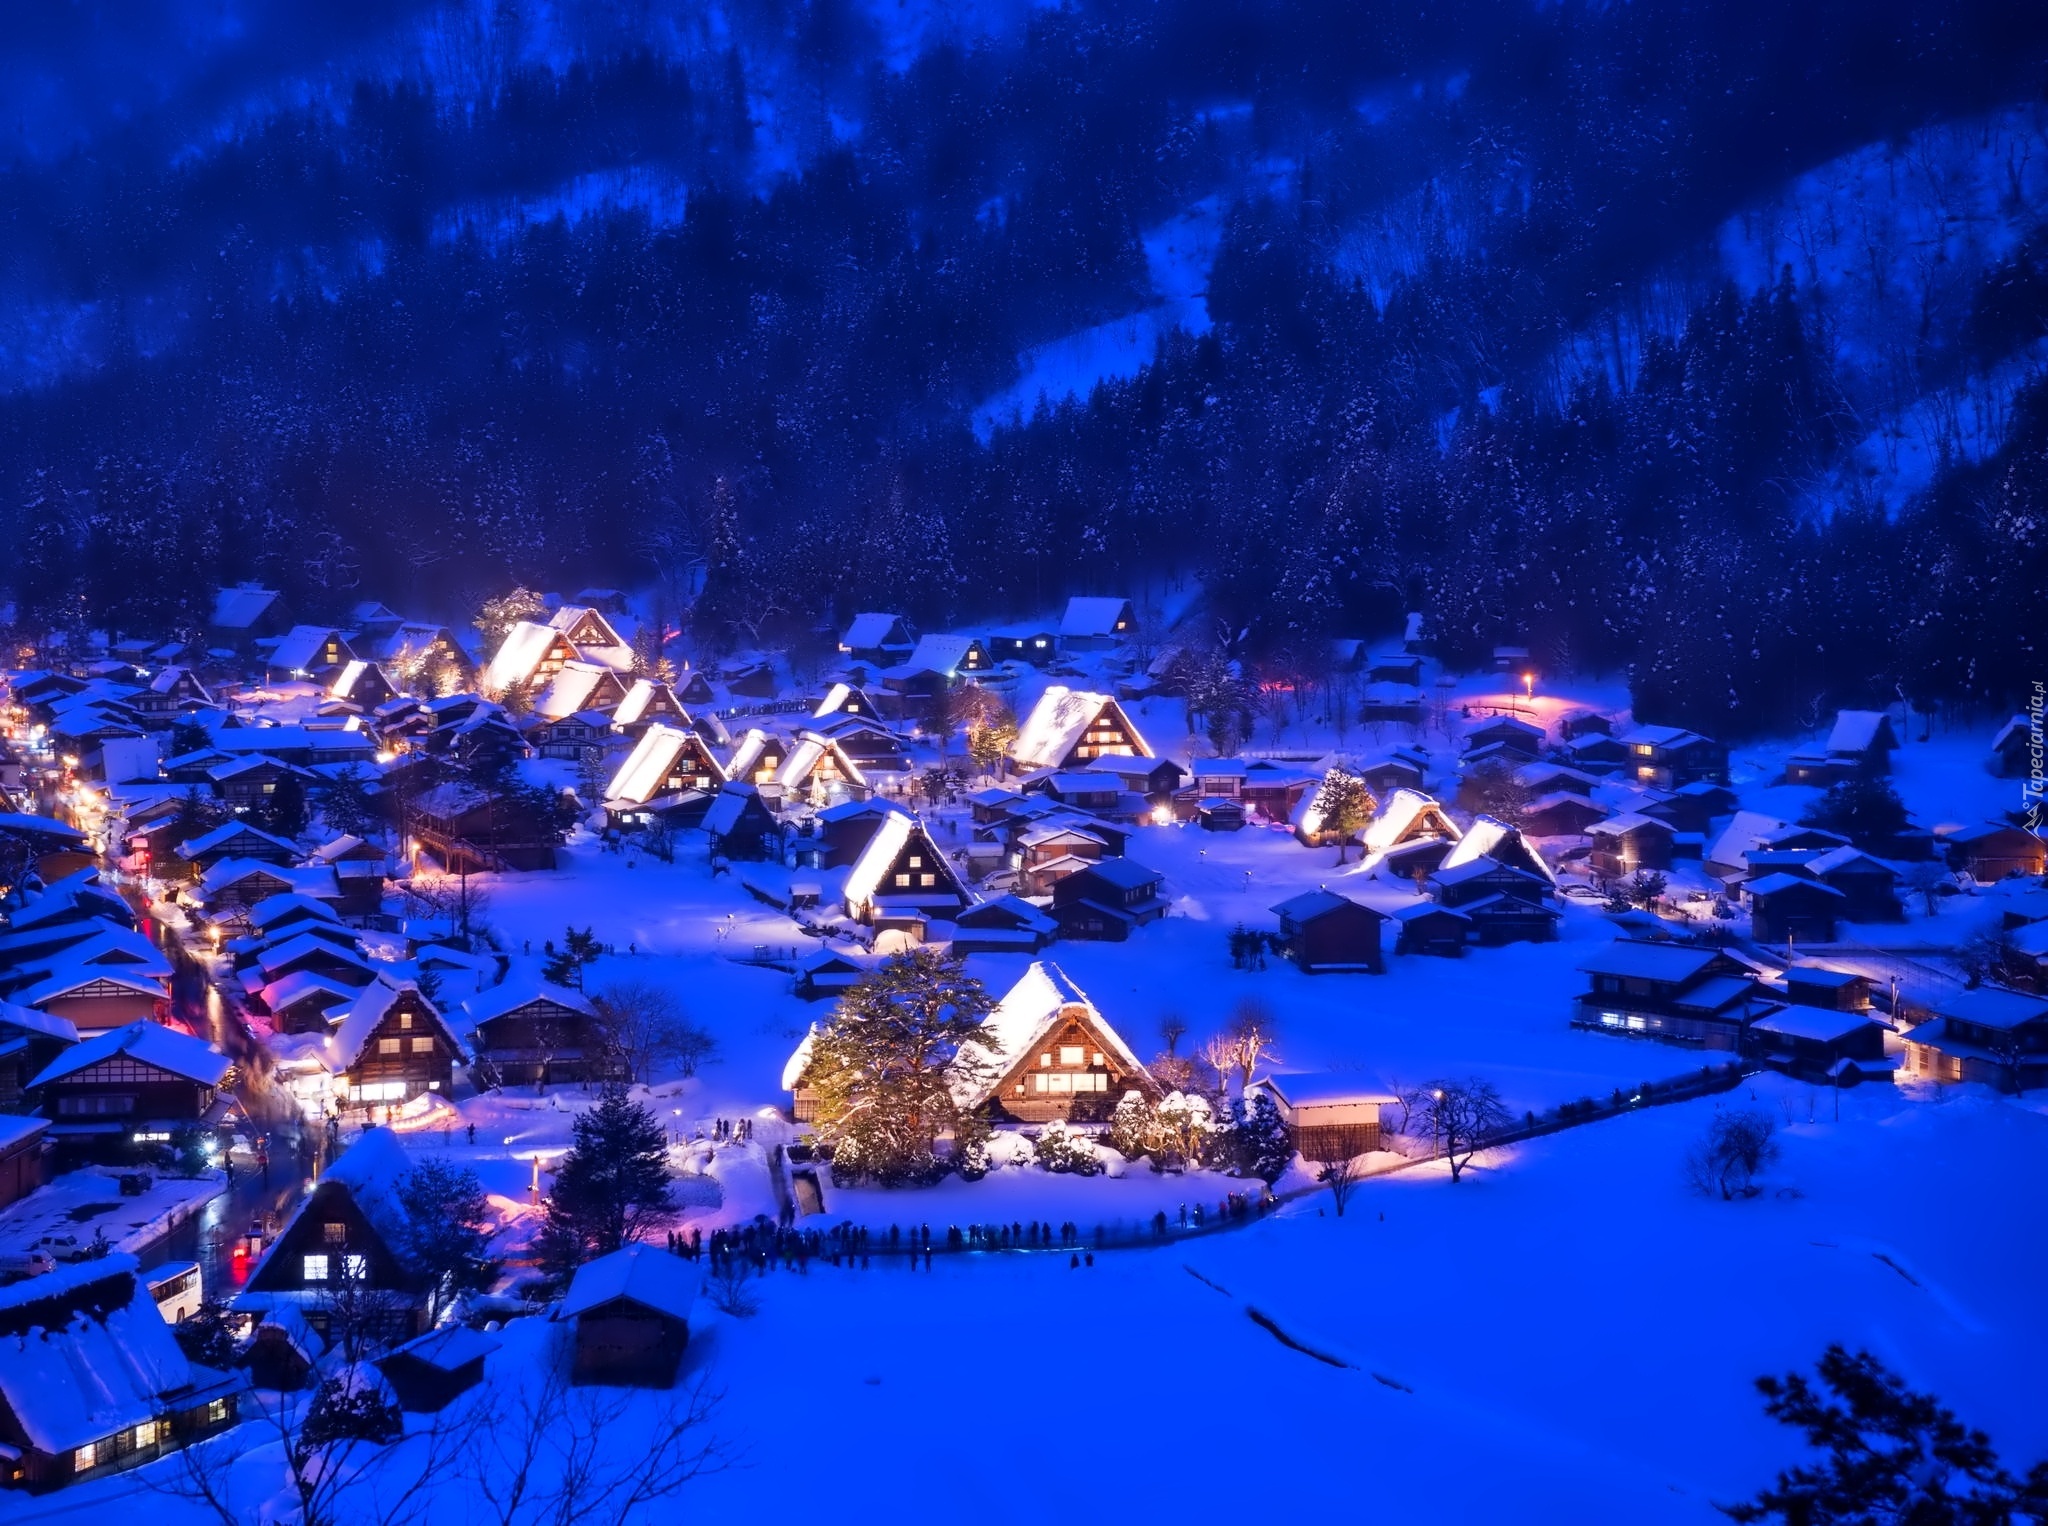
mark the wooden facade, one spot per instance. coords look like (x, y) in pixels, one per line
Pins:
(1324, 932)
(1073, 1073)
(547, 1040)
(394, 1045)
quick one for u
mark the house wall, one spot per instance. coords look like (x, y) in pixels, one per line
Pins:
(624, 1345)
(1339, 938)
(424, 1060)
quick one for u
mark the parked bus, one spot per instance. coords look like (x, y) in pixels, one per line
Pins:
(176, 1288)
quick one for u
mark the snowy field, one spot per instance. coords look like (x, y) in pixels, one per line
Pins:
(1568, 1335)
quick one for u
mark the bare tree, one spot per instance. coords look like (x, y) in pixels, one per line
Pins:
(646, 1029)
(558, 1455)
(1461, 1116)
(1342, 1177)
(727, 1286)
(1725, 1162)
(336, 1478)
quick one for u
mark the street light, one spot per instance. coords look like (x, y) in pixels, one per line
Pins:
(1529, 685)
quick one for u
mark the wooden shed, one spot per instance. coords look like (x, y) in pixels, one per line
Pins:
(1330, 1115)
(632, 1313)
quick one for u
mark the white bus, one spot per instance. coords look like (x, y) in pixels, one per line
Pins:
(176, 1288)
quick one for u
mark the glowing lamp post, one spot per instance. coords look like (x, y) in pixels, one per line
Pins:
(1528, 685)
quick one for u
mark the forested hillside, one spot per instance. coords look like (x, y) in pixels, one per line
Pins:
(1694, 340)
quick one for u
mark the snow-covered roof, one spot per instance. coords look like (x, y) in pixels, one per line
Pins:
(147, 1043)
(892, 834)
(275, 908)
(1312, 903)
(301, 984)
(371, 1170)
(226, 833)
(1822, 1024)
(1990, 1007)
(641, 1274)
(727, 807)
(1856, 730)
(872, 629)
(66, 977)
(640, 693)
(809, 752)
(367, 1011)
(445, 1349)
(837, 698)
(30, 1020)
(510, 997)
(647, 766)
(1745, 830)
(1486, 839)
(1057, 722)
(594, 636)
(525, 644)
(1029, 1011)
(1630, 960)
(1326, 1088)
(1626, 822)
(747, 755)
(1092, 616)
(938, 654)
(89, 1378)
(570, 689)
(237, 609)
(1398, 815)
(1772, 884)
(298, 649)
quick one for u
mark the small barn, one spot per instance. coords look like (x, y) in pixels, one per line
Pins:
(430, 1371)
(631, 1311)
(1330, 1115)
(1327, 933)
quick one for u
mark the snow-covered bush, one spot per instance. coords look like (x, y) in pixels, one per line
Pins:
(1130, 1126)
(1060, 1149)
(1184, 1130)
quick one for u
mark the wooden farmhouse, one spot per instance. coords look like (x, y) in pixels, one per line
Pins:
(313, 652)
(902, 873)
(536, 1034)
(1430, 927)
(1330, 1116)
(1628, 842)
(757, 757)
(350, 1231)
(1860, 745)
(649, 702)
(391, 1046)
(235, 839)
(1069, 728)
(1993, 850)
(667, 760)
(244, 615)
(92, 1380)
(1091, 624)
(1989, 1034)
(1054, 1056)
(530, 656)
(1410, 836)
(2016, 749)
(1107, 900)
(632, 1312)
(1700, 996)
(578, 686)
(142, 1078)
(1667, 757)
(1323, 932)
(1792, 907)
(739, 823)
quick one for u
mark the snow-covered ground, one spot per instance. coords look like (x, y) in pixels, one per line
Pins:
(61, 1217)
(1567, 1335)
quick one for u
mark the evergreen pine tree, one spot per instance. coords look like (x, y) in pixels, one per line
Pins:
(611, 1188)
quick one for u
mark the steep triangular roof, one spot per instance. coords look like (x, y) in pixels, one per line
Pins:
(1029, 1010)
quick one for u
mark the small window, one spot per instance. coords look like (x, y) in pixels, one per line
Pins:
(927, 880)
(903, 881)
(916, 862)
(405, 1020)
(1071, 1056)
(423, 1044)
(387, 1046)
(1045, 1059)
(217, 1410)
(147, 1433)
(314, 1269)
(83, 1460)
(334, 1234)
(1057, 1082)
(1097, 1060)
